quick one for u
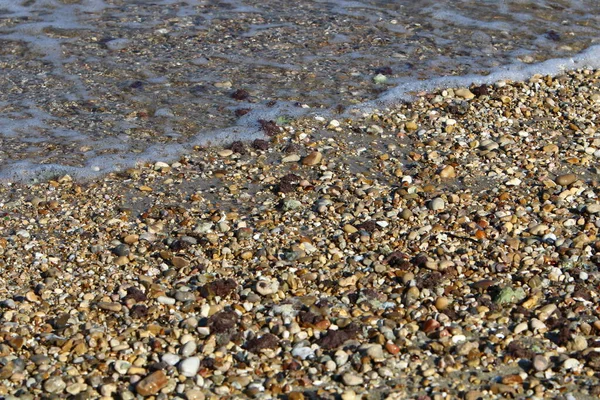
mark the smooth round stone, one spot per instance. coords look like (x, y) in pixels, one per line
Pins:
(352, 379)
(170, 358)
(566, 179)
(54, 384)
(189, 348)
(540, 363)
(190, 366)
(437, 204)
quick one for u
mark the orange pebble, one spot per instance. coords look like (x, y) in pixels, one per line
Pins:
(392, 348)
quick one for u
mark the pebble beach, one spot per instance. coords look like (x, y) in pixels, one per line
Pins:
(444, 248)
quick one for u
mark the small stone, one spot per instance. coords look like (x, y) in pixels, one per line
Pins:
(303, 352)
(266, 288)
(189, 348)
(290, 205)
(437, 204)
(54, 385)
(448, 172)
(109, 306)
(464, 93)
(121, 366)
(340, 357)
(152, 384)
(441, 303)
(392, 348)
(350, 229)
(225, 152)
(592, 208)
(566, 179)
(291, 158)
(179, 262)
(349, 395)
(571, 364)
(411, 126)
(375, 351)
(352, 379)
(194, 394)
(540, 363)
(170, 358)
(313, 158)
(165, 300)
(190, 366)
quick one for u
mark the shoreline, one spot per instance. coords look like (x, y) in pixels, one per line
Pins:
(444, 248)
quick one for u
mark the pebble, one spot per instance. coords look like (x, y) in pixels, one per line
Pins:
(109, 306)
(352, 379)
(540, 363)
(313, 158)
(266, 288)
(54, 385)
(448, 172)
(571, 364)
(166, 300)
(593, 208)
(152, 384)
(437, 204)
(170, 358)
(464, 93)
(189, 348)
(566, 179)
(190, 366)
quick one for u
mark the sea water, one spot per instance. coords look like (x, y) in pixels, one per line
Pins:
(93, 86)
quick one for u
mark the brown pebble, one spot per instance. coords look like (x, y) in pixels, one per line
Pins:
(441, 303)
(152, 384)
(448, 172)
(296, 396)
(313, 158)
(108, 306)
(392, 348)
(512, 380)
(566, 179)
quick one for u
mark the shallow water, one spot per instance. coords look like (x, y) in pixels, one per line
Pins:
(92, 86)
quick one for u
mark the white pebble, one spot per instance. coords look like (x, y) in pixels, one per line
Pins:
(190, 366)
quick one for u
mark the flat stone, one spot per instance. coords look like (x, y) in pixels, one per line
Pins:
(313, 158)
(152, 384)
